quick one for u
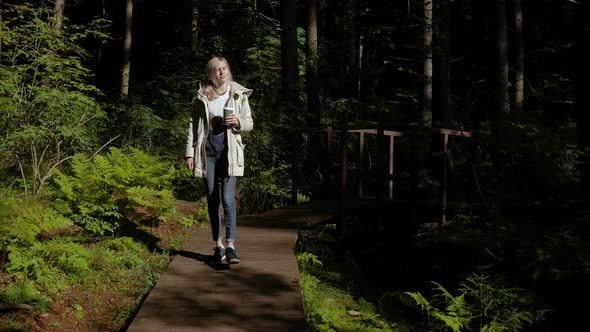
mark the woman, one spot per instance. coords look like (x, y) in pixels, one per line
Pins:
(214, 149)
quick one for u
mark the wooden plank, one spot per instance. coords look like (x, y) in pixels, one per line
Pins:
(259, 294)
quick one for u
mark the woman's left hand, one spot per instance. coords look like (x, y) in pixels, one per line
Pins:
(232, 121)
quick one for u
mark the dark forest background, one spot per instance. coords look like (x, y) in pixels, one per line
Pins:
(95, 98)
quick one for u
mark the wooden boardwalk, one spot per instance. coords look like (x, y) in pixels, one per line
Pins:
(260, 294)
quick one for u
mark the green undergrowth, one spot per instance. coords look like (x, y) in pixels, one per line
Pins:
(473, 275)
(329, 287)
(85, 253)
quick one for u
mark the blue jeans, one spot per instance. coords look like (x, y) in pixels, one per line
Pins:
(216, 173)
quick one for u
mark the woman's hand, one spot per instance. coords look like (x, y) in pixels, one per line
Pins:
(232, 121)
(190, 163)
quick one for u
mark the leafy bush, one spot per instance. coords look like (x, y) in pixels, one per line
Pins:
(49, 111)
(329, 308)
(101, 191)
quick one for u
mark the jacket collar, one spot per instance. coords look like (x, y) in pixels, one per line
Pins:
(234, 88)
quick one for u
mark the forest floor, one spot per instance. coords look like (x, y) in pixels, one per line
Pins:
(539, 255)
(104, 308)
(545, 252)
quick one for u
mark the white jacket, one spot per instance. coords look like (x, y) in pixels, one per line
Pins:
(198, 130)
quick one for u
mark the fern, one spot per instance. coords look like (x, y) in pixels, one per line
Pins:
(24, 220)
(96, 225)
(29, 264)
(130, 251)
(482, 306)
(162, 202)
(421, 301)
(66, 255)
(499, 308)
(101, 190)
(49, 264)
(308, 261)
(454, 317)
(203, 215)
(21, 292)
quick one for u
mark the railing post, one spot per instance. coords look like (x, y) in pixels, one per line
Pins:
(413, 175)
(443, 219)
(444, 176)
(391, 168)
(380, 178)
(359, 165)
(341, 227)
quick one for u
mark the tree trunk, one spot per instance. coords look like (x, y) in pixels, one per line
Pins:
(195, 27)
(289, 74)
(313, 95)
(503, 94)
(289, 50)
(582, 13)
(519, 58)
(127, 50)
(59, 15)
(442, 76)
(104, 14)
(425, 118)
(359, 43)
(1, 34)
(315, 155)
(441, 95)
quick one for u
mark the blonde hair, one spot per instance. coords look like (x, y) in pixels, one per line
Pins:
(209, 87)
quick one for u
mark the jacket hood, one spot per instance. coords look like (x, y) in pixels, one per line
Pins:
(235, 88)
(240, 89)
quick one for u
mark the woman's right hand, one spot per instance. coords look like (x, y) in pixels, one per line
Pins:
(190, 163)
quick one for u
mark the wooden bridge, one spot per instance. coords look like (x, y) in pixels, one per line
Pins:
(377, 171)
(262, 292)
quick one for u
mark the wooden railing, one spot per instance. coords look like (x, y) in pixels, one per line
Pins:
(386, 158)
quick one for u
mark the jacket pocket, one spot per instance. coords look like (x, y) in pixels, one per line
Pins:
(239, 151)
(198, 160)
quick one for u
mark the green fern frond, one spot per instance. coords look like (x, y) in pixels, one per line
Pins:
(456, 314)
(453, 322)
(24, 220)
(66, 255)
(421, 301)
(53, 220)
(162, 202)
(96, 225)
(308, 261)
(100, 190)
(22, 291)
